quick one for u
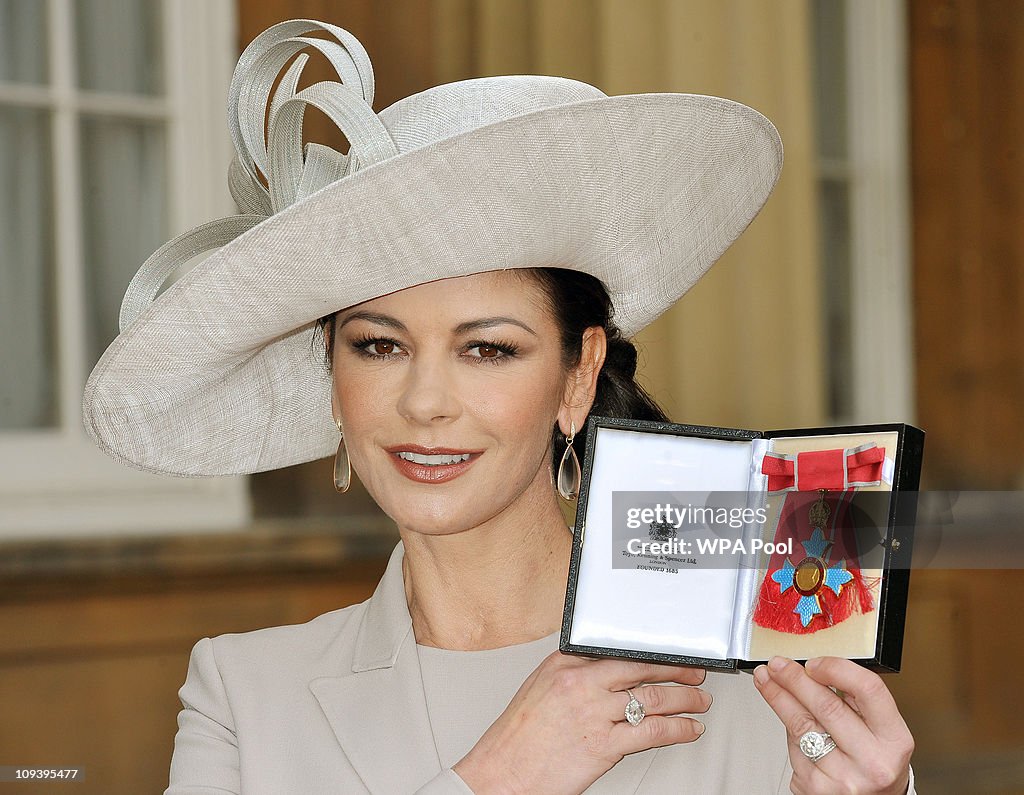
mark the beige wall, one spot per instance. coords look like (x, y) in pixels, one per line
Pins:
(744, 348)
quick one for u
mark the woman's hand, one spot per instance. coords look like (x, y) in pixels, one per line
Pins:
(566, 725)
(873, 743)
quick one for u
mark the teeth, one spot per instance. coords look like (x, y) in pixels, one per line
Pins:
(433, 460)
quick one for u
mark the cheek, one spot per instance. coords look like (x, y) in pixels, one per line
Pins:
(520, 418)
(521, 404)
(363, 403)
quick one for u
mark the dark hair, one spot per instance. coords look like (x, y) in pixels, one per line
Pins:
(579, 301)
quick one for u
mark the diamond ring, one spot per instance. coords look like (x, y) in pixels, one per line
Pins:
(814, 745)
(634, 710)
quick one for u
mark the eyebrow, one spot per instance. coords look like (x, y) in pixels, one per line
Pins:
(462, 328)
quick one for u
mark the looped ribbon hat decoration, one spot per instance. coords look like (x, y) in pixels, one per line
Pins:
(219, 374)
(291, 171)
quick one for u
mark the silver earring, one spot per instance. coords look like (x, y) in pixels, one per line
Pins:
(569, 475)
(342, 467)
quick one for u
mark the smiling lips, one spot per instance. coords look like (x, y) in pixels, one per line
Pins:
(431, 464)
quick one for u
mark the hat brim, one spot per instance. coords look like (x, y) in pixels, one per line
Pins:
(220, 375)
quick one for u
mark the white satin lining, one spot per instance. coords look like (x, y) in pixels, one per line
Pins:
(690, 613)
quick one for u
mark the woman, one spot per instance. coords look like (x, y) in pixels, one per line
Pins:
(456, 349)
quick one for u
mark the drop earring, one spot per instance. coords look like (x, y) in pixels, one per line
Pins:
(342, 467)
(569, 469)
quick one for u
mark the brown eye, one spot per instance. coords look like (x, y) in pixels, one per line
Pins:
(488, 351)
(383, 348)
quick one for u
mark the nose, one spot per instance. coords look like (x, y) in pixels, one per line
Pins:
(429, 392)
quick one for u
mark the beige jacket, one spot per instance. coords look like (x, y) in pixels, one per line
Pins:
(336, 705)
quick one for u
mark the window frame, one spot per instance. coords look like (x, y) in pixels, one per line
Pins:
(880, 211)
(55, 482)
(875, 172)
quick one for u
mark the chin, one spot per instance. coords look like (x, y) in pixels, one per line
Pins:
(426, 523)
(438, 516)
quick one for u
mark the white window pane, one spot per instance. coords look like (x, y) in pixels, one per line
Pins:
(27, 332)
(124, 206)
(118, 46)
(23, 41)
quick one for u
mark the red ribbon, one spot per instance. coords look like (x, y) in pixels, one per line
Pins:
(824, 469)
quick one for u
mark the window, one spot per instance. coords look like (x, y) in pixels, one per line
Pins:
(112, 139)
(861, 115)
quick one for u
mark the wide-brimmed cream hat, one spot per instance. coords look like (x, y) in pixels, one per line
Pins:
(220, 375)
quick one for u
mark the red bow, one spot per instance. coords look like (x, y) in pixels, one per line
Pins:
(833, 470)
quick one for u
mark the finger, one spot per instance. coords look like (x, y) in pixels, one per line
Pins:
(852, 701)
(798, 721)
(808, 778)
(620, 674)
(662, 700)
(846, 727)
(653, 732)
(872, 697)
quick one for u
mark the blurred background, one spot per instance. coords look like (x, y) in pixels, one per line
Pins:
(884, 281)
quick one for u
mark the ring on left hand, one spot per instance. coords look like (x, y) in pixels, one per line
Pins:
(635, 711)
(815, 745)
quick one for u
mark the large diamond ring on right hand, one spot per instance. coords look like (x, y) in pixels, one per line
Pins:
(815, 745)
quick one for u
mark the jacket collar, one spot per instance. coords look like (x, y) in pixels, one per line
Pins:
(377, 708)
(386, 623)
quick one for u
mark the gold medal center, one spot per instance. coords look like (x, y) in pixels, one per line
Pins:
(808, 576)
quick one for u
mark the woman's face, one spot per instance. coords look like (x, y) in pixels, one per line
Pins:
(448, 393)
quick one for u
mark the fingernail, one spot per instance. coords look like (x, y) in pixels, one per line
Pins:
(708, 700)
(777, 663)
(699, 727)
(761, 674)
(812, 664)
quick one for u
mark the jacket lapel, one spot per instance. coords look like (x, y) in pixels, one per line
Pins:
(377, 708)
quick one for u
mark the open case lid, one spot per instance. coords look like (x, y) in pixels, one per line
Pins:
(840, 589)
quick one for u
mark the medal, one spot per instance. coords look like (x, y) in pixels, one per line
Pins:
(808, 592)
